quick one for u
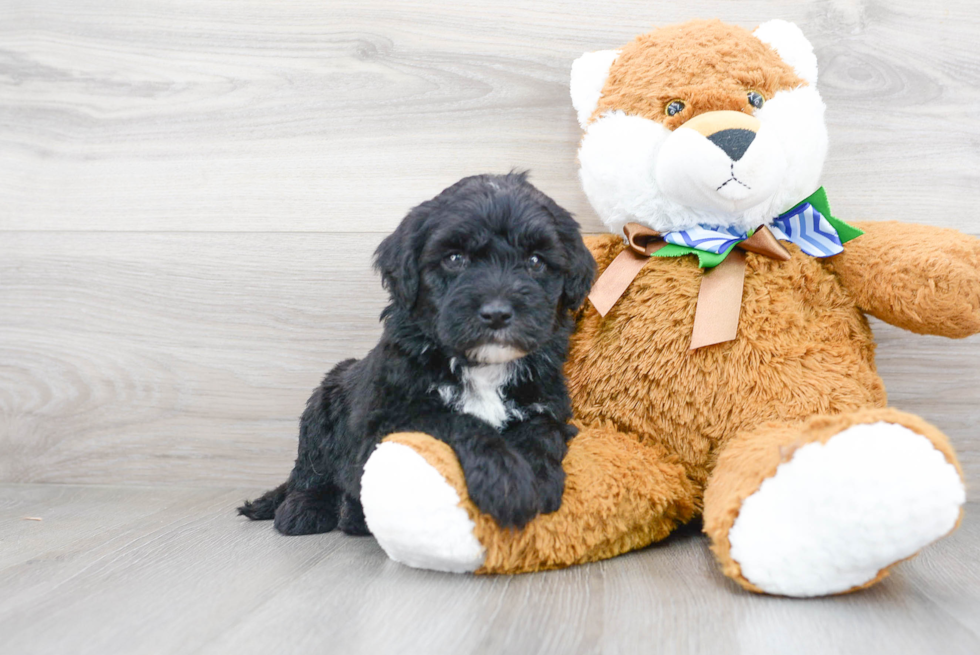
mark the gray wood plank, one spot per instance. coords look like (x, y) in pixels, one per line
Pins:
(187, 358)
(69, 520)
(182, 574)
(182, 556)
(123, 355)
(148, 334)
(305, 116)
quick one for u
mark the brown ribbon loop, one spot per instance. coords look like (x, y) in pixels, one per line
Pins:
(614, 281)
(642, 239)
(720, 296)
(764, 242)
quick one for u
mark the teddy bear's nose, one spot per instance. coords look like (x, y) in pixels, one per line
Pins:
(733, 141)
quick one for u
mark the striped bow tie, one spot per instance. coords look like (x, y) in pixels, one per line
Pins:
(804, 225)
(810, 225)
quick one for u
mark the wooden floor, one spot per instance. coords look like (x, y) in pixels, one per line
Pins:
(173, 570)
(190, 194)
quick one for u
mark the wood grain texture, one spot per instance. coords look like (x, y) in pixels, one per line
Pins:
(185, 355)
(190, 193)
(123, 356)
(302, 115)
(170, 570)
(187, 358)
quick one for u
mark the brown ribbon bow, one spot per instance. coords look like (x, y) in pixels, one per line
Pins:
(720, 296)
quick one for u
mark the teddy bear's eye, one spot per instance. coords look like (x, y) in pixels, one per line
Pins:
(756, 99)
(674, 107)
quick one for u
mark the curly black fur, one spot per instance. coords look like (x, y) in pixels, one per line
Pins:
(490, 262)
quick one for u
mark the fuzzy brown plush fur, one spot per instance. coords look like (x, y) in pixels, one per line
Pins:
(654, 416)
(619, 495)
(754, 455)
(658, 67)
(668, 433)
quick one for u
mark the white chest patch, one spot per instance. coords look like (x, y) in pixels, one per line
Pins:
(481, 393)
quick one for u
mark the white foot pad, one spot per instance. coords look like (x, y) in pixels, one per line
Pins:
(837, 513)
(415, 514)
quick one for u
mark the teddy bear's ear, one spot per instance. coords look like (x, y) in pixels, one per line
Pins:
(589, 73)
(788, 41)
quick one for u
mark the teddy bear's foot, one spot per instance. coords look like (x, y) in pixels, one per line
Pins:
(619, 495)
(847, 499)
(414, 513)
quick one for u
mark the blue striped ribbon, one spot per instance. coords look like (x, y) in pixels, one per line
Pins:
(803, 225)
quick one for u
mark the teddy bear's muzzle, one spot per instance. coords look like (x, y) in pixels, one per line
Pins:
(711, 123)
(721, 161)
(732, 131)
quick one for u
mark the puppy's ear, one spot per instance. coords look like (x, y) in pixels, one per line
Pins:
(580, 267)
(397, 259)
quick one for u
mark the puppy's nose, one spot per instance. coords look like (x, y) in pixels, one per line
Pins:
(496, 314)
(733, 141)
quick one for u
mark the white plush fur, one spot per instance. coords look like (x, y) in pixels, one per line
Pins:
(415, 514)
(589, 73)
(788, 41)
(635, 170)
(837, 513)
(697, 174)
(617, 160)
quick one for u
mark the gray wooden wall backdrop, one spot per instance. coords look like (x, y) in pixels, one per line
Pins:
(190, 193)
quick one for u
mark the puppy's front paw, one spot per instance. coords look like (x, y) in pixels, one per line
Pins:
(550, 485)
(501, 483)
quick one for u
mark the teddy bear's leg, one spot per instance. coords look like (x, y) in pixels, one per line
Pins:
(619, 495)
(828, 505)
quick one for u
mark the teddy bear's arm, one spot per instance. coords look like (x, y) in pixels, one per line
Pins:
(920, 278)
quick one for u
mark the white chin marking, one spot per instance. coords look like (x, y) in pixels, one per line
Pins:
(494, 354)
(836, 514)
(415, 514)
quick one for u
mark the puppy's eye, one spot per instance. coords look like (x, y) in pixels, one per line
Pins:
(756, 99)
(674, 107)
(535, 264)
(455, 261)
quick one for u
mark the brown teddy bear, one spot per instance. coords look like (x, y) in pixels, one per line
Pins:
(725, 366)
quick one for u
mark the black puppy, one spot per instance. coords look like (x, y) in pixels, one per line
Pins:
(484, 279)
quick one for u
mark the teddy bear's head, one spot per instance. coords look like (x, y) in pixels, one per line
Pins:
(702, 123)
